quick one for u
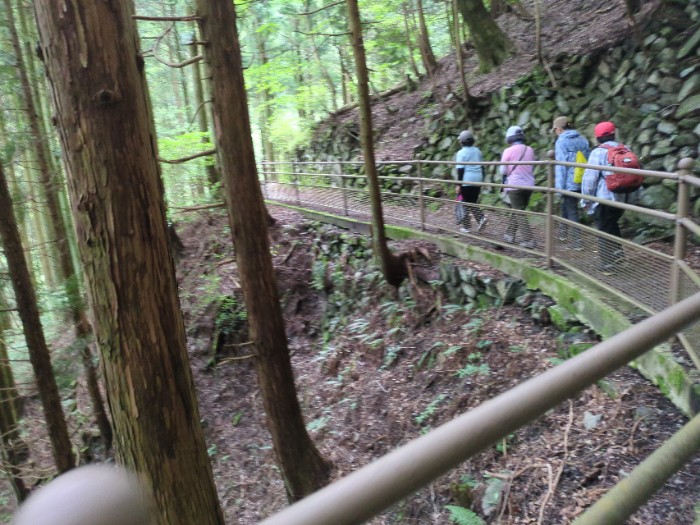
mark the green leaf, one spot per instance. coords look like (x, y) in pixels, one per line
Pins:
(462, 516)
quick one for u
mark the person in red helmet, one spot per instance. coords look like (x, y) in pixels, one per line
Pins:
(607, 218)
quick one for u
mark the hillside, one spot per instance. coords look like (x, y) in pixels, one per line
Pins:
(573, 27)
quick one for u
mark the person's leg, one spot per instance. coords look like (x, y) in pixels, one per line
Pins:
(470, 195)
(607, 221)
(465, 193)
(518, 201)
(524, 224)
(569, 211)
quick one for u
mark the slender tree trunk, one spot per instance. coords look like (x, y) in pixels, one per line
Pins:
(213, 175)
(409, 42)
(12, 444)
(459, 55)
(492, 45)
(104, 118)
(426, 50)
(393, 267)
(325, 75)
(345, 74)
(303, 469)
(181, 72)
(34, 333)
(60, 233)
(265, 108)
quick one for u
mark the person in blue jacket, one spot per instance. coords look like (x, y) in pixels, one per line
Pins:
(470, 173)
(569, 142)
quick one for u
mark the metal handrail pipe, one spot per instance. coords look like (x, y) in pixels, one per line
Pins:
(366, 492)
(690, 225)
(307, 174)
(632, 492)
(690, 179)
(635, 171)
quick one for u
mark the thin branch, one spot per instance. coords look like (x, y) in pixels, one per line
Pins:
(191, 157)
(188, 18)
(199, 208)
(321, 34)
(307, 13)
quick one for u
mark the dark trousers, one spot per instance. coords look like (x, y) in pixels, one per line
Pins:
(470, 195)
(519, 199)
(569, 211)
(607, 220)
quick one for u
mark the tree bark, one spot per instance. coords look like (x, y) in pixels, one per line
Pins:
(393, 267)
(60, 233)
(34, 333)
(105, 123)
(491, 44)
(303, 469)
(459, 55)
(409, 43)
(426, 51)
(13, 446)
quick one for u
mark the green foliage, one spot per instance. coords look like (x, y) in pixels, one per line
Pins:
(462, 516)
(231, 315)
(471, 369)
(430, 410)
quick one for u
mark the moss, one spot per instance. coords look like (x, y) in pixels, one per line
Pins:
(676, 380)
(661, 383)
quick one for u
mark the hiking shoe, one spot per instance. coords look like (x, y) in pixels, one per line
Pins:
(465, 230)
(509, 238)
(527, 244)
(481, 223)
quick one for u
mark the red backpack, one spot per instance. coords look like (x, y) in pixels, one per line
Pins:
(621, 157)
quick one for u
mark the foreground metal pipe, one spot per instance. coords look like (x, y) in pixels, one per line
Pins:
(632, 492)
(366, 492)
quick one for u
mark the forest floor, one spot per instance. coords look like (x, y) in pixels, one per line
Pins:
(399, 366)
(403, 367)
(567, 27)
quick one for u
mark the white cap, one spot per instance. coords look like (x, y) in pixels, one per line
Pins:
(465, 136)
(514, 131)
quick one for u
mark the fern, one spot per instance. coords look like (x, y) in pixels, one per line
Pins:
(462, 516)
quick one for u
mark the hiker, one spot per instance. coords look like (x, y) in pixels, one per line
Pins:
(570, 146)
(594, 183)
(470, 173)
(521, 175)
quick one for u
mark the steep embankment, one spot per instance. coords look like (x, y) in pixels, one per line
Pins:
(646, 80)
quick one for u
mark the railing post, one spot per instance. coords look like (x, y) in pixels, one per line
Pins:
(295, 181)
(549, 221)
(345, 192)
(681, 235)
(421, 204)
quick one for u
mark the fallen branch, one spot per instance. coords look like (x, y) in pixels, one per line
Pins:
(191, 157)
(199, 208)
(188, 18)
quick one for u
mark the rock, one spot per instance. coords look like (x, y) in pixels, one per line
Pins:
(667, 127)
(690, 86)
(689, 46)
(670, 85)
(690, 106)
(657, 197)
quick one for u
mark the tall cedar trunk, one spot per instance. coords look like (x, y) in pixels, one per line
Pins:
(213, 176)
(393, 269)
(491, 44)
(303, 469)
(409, 42)
(459, 55)
(13, 446)
(34, 332)
(60, 236)
(265, 108)
(109, 144)
(426, 51)
(327, 78)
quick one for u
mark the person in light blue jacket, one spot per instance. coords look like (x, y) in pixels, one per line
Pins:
(569, 142)
(470, 173)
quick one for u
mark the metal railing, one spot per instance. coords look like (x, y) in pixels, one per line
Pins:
(371, 489)
(651, 276)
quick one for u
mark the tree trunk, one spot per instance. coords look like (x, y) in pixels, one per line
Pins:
(13, 446)
(426, 51)
(60, 233)
(106, 128)
(213, 175)
(34, 333)
(393, 267)
(459, 55)
(491, 44)
(409, 43)
(303, 469)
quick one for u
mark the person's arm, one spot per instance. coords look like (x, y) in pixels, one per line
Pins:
(503, 168)
(559, 171)
(589, 184)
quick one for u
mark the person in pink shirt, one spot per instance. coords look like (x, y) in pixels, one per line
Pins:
(520, 175)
